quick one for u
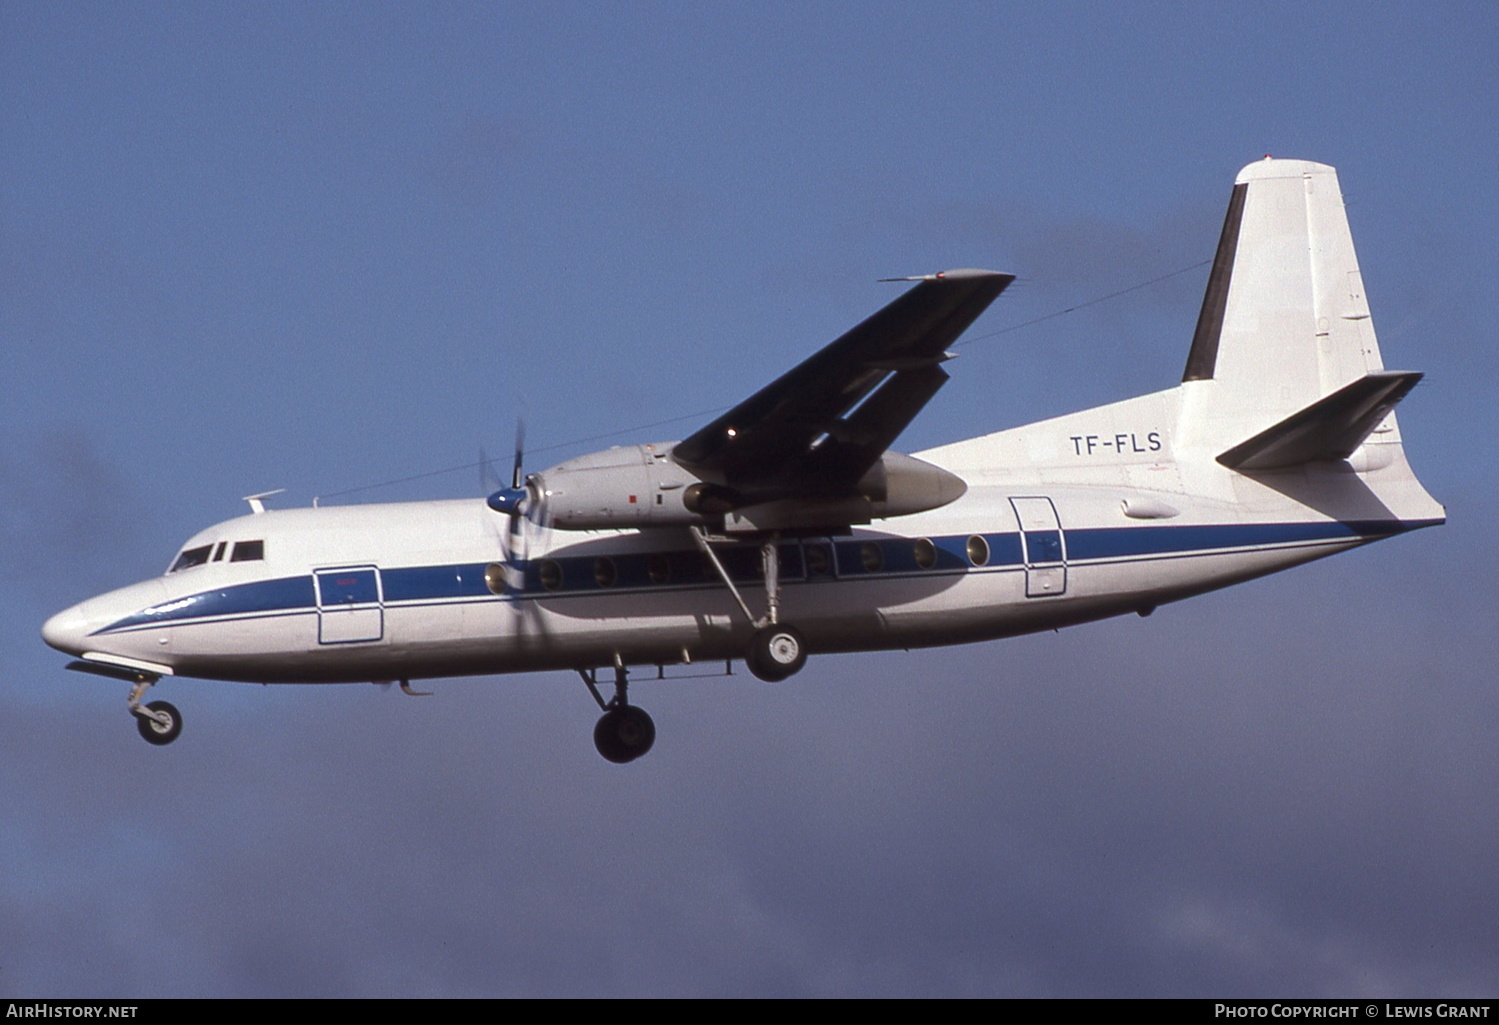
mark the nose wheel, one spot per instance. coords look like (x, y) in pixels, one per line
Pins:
(159, 722)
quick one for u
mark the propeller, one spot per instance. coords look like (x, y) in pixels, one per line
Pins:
(515, 502)
(512, 501)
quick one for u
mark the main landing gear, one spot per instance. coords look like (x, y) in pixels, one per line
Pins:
(625, 732)
(777, 650)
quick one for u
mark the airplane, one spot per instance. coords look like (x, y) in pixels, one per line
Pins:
(787, 526)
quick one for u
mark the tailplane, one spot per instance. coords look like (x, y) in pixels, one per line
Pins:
(1329, 429)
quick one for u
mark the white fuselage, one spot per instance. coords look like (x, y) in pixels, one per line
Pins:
(1064, 521)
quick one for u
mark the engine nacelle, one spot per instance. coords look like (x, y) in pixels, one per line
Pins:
(640, 485)
(618, 488)
(899, 485)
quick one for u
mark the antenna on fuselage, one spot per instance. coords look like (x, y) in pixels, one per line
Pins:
(257, 503)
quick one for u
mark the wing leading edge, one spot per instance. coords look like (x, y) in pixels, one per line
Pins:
(818, 428)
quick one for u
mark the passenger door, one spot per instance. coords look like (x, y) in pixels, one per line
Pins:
(1044, 546)
(349, 605)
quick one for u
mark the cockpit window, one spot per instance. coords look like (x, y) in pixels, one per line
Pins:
(191, 557)
(248, 551)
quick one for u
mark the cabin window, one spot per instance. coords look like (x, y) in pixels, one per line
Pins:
(925, 552)
(248, 551)
(604, 573)
(494, 578)
(658, 567)
(871, 556)
(818, 562)
(978, 550)
(551, 574)
(191, 557)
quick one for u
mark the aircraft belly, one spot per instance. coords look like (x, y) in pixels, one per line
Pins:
(585, 631)
(994, 604)
(240, 649)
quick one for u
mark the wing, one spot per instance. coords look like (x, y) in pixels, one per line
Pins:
(819, 427)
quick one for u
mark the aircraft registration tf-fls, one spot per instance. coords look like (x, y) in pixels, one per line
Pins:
(788, 526)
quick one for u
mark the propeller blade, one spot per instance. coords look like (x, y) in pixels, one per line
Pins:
(489, 481)
(520, 449)
(515, 549)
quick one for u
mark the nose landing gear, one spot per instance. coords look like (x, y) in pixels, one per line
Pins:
(159, 722)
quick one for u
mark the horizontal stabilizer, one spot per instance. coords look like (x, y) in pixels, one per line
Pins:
(1330, 428)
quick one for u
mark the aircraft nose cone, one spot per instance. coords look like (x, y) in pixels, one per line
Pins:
(66, 630)
(79, 630)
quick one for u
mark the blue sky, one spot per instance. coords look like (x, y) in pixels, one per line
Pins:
(321, 247)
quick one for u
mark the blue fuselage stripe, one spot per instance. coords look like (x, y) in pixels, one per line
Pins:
(684, 569)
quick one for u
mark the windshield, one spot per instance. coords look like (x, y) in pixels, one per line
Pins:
(191, 557)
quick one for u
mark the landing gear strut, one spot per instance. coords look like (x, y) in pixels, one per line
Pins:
(625, 732)
(776, 651)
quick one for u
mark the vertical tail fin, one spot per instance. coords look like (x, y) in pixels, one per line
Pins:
(1284, 322)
